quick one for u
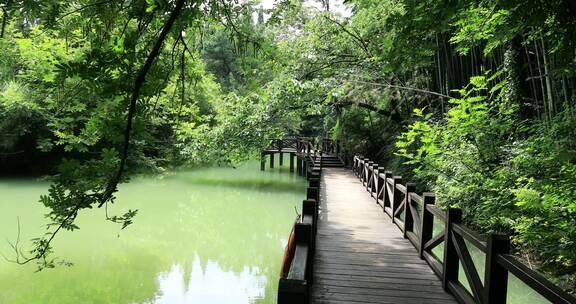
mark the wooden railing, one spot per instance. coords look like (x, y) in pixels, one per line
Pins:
(415, 216)
(302, 148)
(335, 147)
(308, 147)
(295, 287)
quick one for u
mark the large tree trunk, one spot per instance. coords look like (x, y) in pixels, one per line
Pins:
(4, 22)
(517, 90)
(549, 92)
(542, 87)
(533, 84)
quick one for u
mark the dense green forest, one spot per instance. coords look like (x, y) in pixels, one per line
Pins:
(473, 99)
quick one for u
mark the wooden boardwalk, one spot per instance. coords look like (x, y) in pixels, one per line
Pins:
(361, 256)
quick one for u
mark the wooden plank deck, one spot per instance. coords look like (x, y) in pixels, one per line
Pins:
(361, 256)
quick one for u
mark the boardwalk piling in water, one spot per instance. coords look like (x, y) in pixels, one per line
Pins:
(262, 161)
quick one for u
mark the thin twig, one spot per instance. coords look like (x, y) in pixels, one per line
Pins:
(403, 88)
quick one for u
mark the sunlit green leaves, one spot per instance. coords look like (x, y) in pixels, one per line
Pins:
(480, 24)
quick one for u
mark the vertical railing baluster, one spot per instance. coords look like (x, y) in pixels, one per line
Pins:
(281, 157)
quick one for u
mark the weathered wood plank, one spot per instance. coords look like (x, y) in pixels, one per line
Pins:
(361, 257)
(408, 274)
(376, 268)
(385, 292)
(376, 271)
(323, 296)
(393, 285)
(384, 280)
(370, 257)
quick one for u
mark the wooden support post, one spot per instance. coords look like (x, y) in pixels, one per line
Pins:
(313, 193)
(291, 162)
(310, 206)
(363, 170)
(496, 276)
(374, 184)
(281, 158)
(427, 224)
(262, 161)
(369, 173)
(292, 291)
(299, 165)
(379, 185)
(386, 199)
(451, 261)
(314, 182)
(272, 160)
(408, 216)
(396, 198)
(302, 233)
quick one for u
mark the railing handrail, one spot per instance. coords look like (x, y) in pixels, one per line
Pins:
(396, 198)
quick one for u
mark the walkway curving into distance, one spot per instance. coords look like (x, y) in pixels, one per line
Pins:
(361, 256)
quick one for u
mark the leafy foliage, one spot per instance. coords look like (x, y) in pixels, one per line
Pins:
(473, 99)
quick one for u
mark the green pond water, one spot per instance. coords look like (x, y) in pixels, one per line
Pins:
(213, 235)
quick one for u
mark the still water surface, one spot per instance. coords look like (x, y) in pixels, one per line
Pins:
(213, 235)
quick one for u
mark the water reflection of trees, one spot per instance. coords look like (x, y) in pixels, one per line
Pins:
(227, 222)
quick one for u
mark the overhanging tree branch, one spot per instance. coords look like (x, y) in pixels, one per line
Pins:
(391, 114)
(43, 247)
(403, 88)
(138, 83)
(363, 44)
